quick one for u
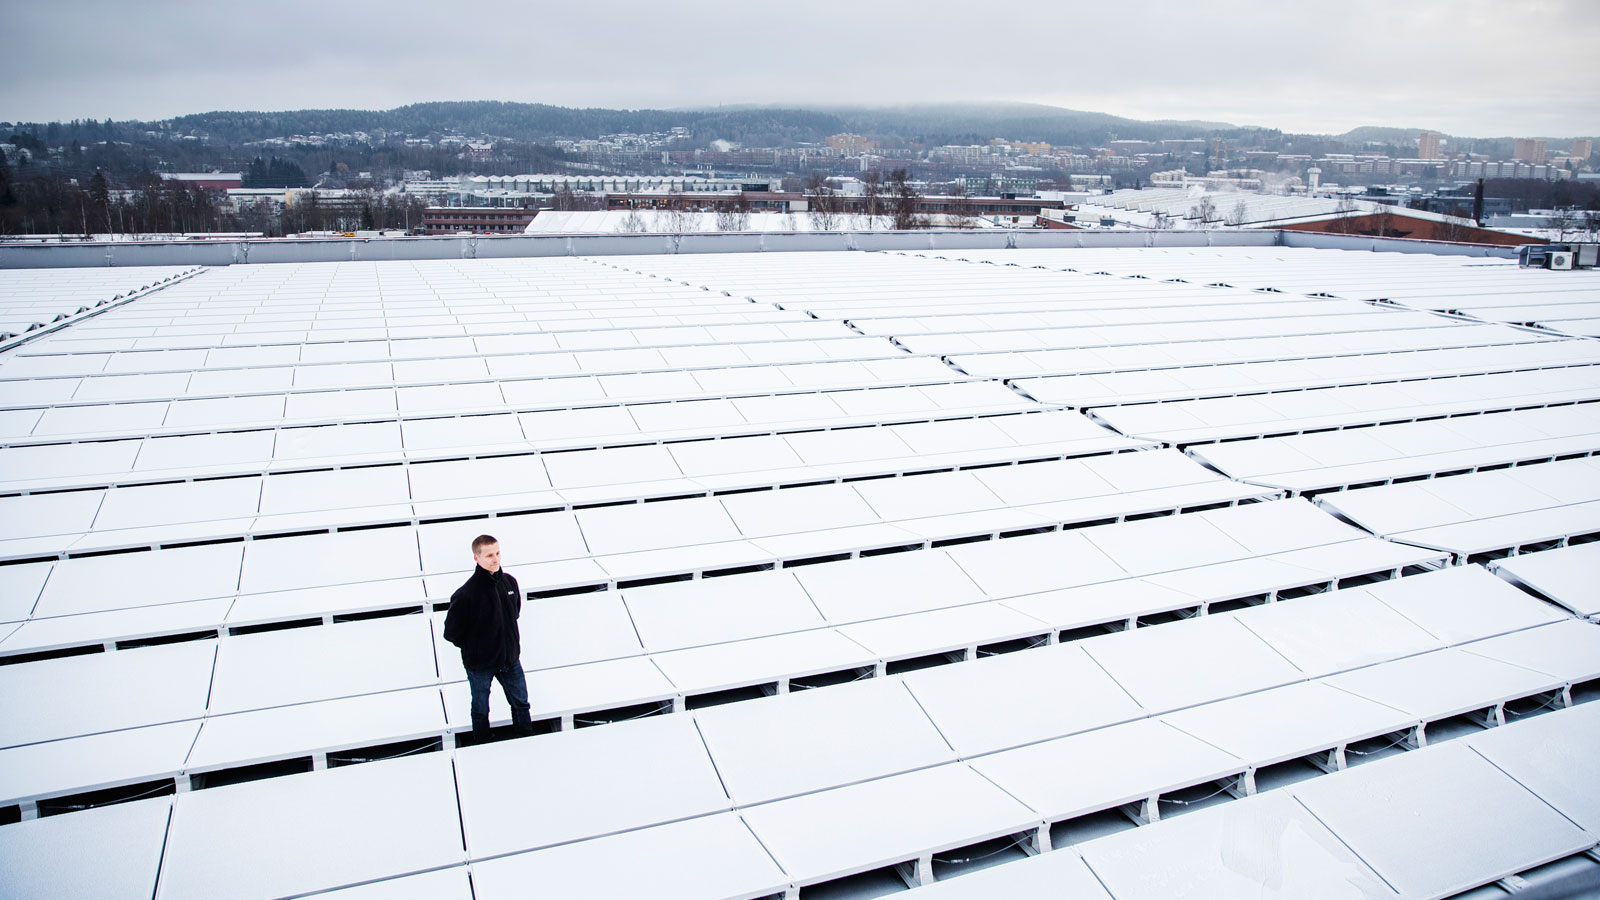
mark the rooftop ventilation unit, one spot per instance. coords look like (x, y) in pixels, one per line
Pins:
(1559, 256)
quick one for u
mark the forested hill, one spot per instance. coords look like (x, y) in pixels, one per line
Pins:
(977, 123)
(759, 126)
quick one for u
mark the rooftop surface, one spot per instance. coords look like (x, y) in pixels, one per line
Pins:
(1227, 571)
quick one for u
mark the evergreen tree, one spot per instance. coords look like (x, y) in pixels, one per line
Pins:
(99, 212)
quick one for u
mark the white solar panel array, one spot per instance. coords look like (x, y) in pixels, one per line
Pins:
(846, 571)
(34, 298)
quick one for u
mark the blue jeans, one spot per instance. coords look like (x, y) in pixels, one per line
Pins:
(511, 681)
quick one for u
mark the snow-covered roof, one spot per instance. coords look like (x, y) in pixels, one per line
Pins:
(836, 564)
(615, 221)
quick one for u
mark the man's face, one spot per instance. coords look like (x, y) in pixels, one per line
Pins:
(488, 556)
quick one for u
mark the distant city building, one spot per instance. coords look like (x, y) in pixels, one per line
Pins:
(432, 191)
(1243, 180)
(850, 202)
(549, 184)
(1530, 150)
(211, 181)
(1582, 148)
(850, 144)
(1462, 206)
(476, 219)
(779, 201)
(273, 199)
(1464, 168)
(1428, 145)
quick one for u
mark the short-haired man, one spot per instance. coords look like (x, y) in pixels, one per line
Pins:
(482, 621)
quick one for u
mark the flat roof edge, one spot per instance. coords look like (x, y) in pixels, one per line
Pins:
(246, 251)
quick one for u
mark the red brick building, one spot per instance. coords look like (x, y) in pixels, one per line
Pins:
(1400, 225)
(476, 219)
(211, 181)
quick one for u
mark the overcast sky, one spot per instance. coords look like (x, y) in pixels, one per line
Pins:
(1471, 67)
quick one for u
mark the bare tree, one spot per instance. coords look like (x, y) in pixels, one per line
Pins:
(1453, 228)
(735, 216)
(1591, 223)
(1383, 221)
(903, 201)
(673, 215)
(962, 214)
(1346, 212)
(1561, 221)
(1161, 222)
(825, 205)
(1205, 211)
(632, 223)
(1240, 213)
(872, 193)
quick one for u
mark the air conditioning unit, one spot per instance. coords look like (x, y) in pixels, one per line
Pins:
(1561, 259)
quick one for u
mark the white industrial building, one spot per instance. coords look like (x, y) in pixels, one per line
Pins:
(656, 221)
(1122, 573)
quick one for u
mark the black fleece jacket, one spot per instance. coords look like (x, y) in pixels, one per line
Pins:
(482, 621)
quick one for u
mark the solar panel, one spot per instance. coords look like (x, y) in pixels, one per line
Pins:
(829, 834)
(34, 853)
(1561, 575)
(806, 741)
(372, 822)
(1020, 698)
(1467, 801)
(1549, 756)
(1268, 844)
(667, 860)
(604, 788)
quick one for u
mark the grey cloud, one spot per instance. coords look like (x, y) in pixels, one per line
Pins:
(1463, 66)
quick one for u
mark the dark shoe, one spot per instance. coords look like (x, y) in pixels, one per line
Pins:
(521, 723)
(480, 731)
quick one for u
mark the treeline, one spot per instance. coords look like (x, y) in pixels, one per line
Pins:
(757, 126)
(49, 204)
(937, 124)
(122, 160)
(365, 211)
(273, 173)
(50, 188)
(537, 123)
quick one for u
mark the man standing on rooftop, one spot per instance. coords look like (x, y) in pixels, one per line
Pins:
(482, 621)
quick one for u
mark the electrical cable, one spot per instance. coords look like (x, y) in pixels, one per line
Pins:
(1394, 743)
(139, 796)
(1548, 704)
(1014, 842)
(1214, 793)
(649, 712)
(366, 759)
